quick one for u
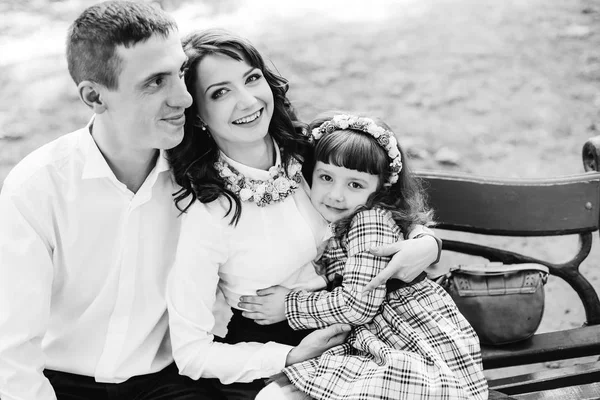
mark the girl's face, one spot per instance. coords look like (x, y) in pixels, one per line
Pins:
(337, 191)
(234, 100)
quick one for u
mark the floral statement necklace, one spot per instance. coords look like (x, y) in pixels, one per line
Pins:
(276, 188)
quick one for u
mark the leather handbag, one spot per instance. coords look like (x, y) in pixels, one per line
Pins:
(503, 303)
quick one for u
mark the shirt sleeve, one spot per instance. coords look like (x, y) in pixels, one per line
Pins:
(346, 303)
(26, 273)
(191, 295)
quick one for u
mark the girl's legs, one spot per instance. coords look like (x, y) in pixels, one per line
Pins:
(280, 388)
(241, 391)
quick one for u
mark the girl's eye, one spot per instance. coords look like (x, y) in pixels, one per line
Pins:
(325, 178)
(253, 78)
(218, 93)
(356, 185)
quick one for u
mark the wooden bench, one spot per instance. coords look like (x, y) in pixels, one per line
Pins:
(530, 208)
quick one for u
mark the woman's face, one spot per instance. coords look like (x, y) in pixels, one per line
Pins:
(234, 100)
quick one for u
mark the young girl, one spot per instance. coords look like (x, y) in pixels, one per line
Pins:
(409, 341)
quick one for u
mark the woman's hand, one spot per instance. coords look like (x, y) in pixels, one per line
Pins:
(267, 307)
(409, 258)
(317, 342)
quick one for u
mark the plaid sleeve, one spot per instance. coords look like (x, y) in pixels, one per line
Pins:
(346, 303)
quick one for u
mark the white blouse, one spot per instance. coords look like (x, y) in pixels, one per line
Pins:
(271, 245)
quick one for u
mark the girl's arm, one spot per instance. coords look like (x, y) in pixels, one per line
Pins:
(409, 257)
(347, 303)
(191, 294)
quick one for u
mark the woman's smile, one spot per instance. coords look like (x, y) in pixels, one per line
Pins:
(248, 119)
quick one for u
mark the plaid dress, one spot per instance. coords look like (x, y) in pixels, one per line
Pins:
(411, 343)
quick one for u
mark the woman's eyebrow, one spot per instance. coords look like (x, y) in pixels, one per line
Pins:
(226, 82)
(216, 84)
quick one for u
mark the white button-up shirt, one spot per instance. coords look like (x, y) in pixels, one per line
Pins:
(83, 268)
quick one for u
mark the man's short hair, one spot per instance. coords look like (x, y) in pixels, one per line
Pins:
(93, 37)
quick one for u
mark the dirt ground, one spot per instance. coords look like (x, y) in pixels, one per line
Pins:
(498, 88)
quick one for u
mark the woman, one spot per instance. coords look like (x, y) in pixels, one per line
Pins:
(248, 222)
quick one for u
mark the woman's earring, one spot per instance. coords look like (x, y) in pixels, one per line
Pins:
(204, 128)
(200, 124)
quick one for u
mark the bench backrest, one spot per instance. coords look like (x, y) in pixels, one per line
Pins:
(521, 207)
(514, 207)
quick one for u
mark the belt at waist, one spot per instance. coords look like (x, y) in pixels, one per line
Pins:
(394, 284)
(242, 329)
(391, 285)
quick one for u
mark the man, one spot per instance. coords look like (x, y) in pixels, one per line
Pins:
(88, 227)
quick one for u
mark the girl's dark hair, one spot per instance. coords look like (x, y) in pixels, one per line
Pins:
(360, 151)
(192, 161)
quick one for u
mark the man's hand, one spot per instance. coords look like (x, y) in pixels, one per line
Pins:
(267, 307)
(410, 258)
(317, 342)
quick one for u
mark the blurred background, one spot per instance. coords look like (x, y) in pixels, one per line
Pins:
(500, 88)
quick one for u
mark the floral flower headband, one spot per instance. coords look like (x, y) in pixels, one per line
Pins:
(384, 137)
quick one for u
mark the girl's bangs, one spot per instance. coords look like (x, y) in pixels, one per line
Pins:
(352, 150)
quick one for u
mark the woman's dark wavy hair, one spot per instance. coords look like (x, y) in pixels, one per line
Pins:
(360, 151)
(192, 161)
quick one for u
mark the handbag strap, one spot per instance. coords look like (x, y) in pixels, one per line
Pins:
(497, 268)
(499, 279)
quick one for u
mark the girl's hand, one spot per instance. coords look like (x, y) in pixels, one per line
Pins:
(410, 258)
(267, 307)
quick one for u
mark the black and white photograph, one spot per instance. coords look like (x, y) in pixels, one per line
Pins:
(299, 200)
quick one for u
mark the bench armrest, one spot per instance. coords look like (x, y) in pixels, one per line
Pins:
(591, 154)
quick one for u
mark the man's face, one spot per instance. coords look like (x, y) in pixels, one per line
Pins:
(146, 111)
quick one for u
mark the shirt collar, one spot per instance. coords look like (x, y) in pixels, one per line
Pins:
(254, 173)
(162, 163)
(95, 166)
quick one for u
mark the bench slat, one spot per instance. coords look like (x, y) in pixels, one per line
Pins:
(579, 374)
(551, 346)
(583, 392)
(537, 207)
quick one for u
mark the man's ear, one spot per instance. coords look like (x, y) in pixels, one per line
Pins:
(90, 94)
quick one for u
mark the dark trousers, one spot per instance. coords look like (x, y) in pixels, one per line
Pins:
(242, 329)
(163, 385)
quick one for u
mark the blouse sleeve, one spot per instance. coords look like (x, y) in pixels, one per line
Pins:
(191, 295)
(346, 303)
